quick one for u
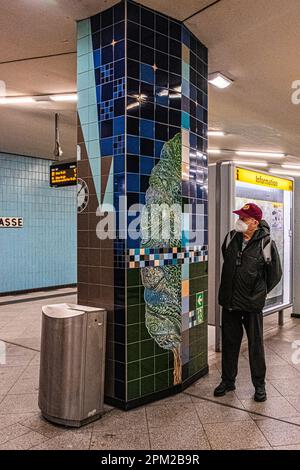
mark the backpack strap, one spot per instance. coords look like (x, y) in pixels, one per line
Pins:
(267, 249)
(229, 238)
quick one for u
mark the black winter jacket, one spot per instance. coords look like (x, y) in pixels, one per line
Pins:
(245, 284)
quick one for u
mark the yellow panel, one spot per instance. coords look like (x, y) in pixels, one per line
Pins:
(185, 288)
(262, 179)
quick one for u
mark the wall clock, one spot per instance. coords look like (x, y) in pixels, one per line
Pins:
(82, 195)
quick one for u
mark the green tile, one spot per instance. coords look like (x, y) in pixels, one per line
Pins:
(158, 350)
(133, 333)
(133, 277)
(161, 362)
(171, 378)
(144, 331)
(161, 381)
(133, 295)
(142, 311)
(133, 314)
(133, 352)
(133, 389)
(147, 348)
(133, 370)
(192, 301)
(147, 385)
(147, 366)
(142, 291)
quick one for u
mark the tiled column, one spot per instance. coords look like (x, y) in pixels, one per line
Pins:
(142, 130)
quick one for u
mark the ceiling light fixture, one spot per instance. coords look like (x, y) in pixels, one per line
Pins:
(252, 163)
(38, 98)
(246, 153)
(219, 80)
(290, 167)
(214, 151)
(284, 172)
(64, 97)
(17, 100)
(216, 133)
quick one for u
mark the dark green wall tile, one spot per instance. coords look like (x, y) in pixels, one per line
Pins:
(133, 352)
(161, 381)
(133, 370)
(133, 277)
(144, 331)
(133, 314)
(147, 348)
(147, 366)
(133, 389)
(147, 385)
(161, 362)
(133, 333)
(133, 296)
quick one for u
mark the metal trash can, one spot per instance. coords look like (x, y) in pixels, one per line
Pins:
(71, 390)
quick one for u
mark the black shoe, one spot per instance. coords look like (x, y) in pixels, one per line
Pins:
(221, 389)
(260, 393)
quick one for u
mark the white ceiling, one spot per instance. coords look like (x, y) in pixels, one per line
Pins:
(254, 42)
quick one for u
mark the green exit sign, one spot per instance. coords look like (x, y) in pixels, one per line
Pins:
(199, 300)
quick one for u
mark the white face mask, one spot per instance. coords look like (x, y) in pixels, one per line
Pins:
(241, 226)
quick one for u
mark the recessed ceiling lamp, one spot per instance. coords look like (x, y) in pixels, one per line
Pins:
(216, 133)
(252, 163)
(285, 172)
(214, 151)
(219, 80)
(249, 153)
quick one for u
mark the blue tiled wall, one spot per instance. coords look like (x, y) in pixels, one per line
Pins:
(43, 252)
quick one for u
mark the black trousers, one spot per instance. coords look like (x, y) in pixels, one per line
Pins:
(232, 334)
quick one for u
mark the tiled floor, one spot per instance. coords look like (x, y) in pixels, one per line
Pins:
(191, 420)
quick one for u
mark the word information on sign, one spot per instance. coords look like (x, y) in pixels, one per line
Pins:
(64, 174)
(11, 222)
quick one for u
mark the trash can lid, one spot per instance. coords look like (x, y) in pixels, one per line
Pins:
(67, 310)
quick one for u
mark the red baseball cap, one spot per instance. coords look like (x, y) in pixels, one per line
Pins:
(250, 210)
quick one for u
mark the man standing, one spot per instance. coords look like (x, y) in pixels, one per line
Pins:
(251, 269)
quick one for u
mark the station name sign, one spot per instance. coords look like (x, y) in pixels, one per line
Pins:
(11, 222)
(63, 174)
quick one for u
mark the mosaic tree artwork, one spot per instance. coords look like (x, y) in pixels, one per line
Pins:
(142, 136)
(163, 283)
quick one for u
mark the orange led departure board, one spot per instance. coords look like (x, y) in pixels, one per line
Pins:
(63, 174)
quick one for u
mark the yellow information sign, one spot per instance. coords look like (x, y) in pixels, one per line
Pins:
(262, 179)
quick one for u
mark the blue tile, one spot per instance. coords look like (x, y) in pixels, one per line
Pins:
(98, 94)
(106, 146)
(119, 164)
(147, 163)
(147, 128)
(133, 145)
(119, 184)
(119, 125)
(158, 147)
(97, 58)
(185, 36)
(185, 120)
(147, 73)
(133, 182)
